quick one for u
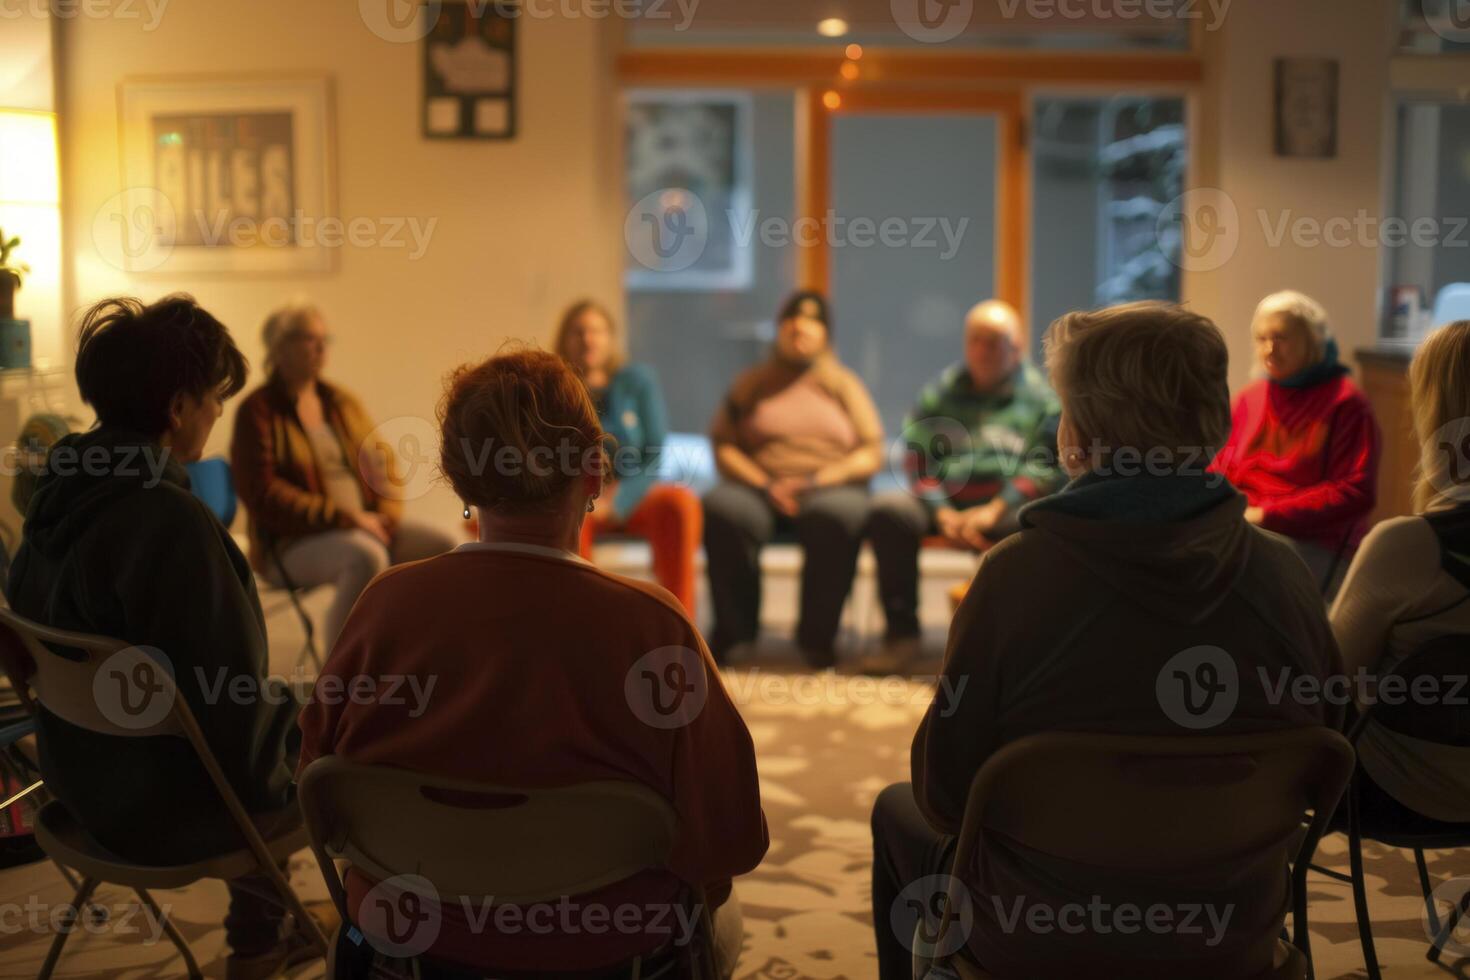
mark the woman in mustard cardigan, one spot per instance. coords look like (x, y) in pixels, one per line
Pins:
(319, 504)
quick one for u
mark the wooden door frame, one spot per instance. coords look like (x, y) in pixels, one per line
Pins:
(1012, 179)
(1000, 82)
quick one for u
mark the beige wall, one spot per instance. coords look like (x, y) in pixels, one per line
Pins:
(522, 227)
(526, 226)
(1235, 128)
(25, 63)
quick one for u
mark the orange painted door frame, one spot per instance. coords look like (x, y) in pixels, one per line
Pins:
(1013, 170)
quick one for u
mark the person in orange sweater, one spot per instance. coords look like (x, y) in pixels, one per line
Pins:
(631, 410)
(529, 665)
(323, 495)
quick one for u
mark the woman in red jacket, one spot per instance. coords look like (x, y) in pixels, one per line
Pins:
(1303, 444)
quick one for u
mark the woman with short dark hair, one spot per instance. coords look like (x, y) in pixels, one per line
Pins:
(541, 670)
(116, 545)
(796, 440)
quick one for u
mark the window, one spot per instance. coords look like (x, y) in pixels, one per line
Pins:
(1426, 242)
(1105, 171)
(700, 323)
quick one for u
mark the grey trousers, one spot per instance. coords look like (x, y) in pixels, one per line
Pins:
(349, 560)
(739, 520)
(897, 527)
(1328, 567)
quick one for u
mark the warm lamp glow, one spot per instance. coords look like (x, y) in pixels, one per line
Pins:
(850, 70)
(28, 169)
(832, 27)
(832, 101)
(855, 52)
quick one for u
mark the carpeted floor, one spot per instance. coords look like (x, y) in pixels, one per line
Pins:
(827, 743)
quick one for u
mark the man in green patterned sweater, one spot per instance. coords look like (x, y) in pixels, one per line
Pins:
(980, 443)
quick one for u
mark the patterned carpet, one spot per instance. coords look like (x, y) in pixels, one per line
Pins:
(827, 744)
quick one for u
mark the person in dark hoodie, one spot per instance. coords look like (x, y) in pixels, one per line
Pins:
(116, 545)
(1142, 557)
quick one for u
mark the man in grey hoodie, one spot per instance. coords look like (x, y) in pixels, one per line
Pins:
(115, 544)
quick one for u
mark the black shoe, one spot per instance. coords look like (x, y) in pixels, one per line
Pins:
(818, 658)
(897, 657)
(721, 646)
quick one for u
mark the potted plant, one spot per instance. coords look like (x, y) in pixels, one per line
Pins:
(11, 274)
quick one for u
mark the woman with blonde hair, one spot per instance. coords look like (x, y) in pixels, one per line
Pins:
(1303, 444)
(1410, 584)
(630, 407)
(321, 493)
(547, 672)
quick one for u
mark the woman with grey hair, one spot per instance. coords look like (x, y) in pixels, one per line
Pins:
(1303, 444)
(1093, 618)
(321, 491)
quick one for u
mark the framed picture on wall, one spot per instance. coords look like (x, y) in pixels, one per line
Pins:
(689, 225)
(1306, 107)
(470, 71)
(224, 175)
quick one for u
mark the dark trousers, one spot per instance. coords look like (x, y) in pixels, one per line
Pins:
(739, 519)
(897, 527)
(906, 851)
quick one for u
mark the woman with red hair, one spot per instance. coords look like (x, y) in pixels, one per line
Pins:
(530, 663)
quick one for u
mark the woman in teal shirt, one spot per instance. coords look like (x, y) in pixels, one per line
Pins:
(631, 409)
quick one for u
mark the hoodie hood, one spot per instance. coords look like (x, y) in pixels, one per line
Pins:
(1175, 544)
(84, 474)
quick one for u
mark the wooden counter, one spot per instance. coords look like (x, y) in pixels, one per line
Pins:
(1384, 374)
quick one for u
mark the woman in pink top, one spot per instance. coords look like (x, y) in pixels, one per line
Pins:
(512, 662)
(796, 441)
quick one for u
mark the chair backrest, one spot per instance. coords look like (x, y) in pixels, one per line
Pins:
(472, 840)
(1452, 303)
(1139, 803)
(97, 683)
(211, 481)
(111, 688)
(1430, 698)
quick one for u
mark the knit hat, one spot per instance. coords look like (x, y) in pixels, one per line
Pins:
(806, 303)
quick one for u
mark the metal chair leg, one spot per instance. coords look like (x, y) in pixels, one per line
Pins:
(173, 934)
(1301, 936)
(1451, 923)
(79, 900)
(305, 924)
(1425, 886)
(1360, 887)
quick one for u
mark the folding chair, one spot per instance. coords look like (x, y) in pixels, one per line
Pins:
(67, 667)
(472, 842)
(1141, 805)
(213, 483)
(1446, 659)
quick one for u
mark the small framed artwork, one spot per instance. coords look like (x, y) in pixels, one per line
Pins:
(688, 189)
(224, 175)
(1306, 107)
(470, 71)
